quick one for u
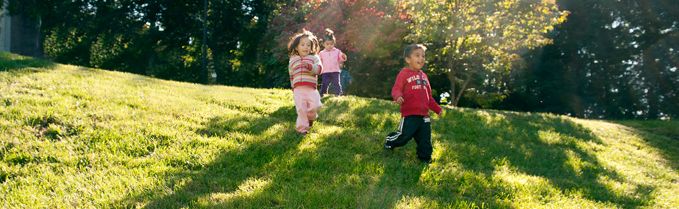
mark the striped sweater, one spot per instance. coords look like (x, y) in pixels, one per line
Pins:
(300, 74)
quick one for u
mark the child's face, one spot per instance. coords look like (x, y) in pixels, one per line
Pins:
(328, 44)
(304, 47)
(416, 59)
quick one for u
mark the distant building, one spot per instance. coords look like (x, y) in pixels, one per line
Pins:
(19, 34)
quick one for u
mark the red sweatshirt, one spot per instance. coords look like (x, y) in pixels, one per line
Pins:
(414, 87)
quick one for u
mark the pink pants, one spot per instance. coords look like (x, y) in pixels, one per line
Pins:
(307, 103)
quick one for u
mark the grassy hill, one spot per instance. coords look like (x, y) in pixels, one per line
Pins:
(77, 137)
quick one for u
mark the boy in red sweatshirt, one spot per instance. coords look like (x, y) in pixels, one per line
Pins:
(413, 92)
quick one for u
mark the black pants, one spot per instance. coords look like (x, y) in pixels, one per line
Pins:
(418, 127)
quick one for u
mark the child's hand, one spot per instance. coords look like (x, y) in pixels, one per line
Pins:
(399, 100)
(307, 65)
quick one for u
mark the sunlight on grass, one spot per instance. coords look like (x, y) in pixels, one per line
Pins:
(574, 163)
(518, 179)
(273, 131)
(490, 118)
(249, 187)
(416, 202)
(554, 138)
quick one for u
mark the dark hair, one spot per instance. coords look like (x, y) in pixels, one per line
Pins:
(329, 35)
(295, 39)
(412, 47)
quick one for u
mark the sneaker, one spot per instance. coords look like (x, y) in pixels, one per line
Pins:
(387, 147)
(386, 140)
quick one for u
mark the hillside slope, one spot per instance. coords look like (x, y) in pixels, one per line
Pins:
(79, 137)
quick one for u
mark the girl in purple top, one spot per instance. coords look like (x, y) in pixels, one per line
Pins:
(331, 58)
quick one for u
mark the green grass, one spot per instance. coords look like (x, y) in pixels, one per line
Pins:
(79, 137)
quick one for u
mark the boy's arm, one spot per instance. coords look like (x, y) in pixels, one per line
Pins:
(433, 106)
(397, 89)
(432, 103)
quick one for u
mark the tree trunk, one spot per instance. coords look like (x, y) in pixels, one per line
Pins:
(38, 39)
(208, 75)
(452, 79)
(462, 88)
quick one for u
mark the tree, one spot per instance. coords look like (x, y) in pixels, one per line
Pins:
(611, 59)
(475, 42)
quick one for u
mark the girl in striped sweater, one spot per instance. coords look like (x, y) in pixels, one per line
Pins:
(304, 67)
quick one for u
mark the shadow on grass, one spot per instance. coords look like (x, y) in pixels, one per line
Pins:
(341, 162)
(247, 161)
(283, 169)
(662, 135)
(537, 145)
(337, 168)
(12, 62)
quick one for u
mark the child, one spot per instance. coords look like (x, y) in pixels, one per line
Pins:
(331, 58)
(413, 92)
(304, 67)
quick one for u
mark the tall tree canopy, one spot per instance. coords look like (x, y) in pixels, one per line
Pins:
(612, 59)
(587, 58)
(475, 41)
